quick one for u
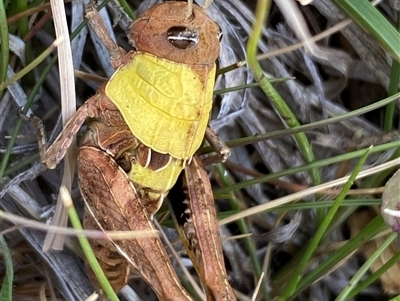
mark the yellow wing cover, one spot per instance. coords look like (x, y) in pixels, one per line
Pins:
(165, 104)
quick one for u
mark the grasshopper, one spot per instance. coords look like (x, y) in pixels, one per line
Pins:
(145, 125)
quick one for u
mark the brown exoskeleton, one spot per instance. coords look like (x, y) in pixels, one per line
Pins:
(145, 125)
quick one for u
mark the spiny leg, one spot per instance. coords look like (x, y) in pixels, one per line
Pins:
(200, 231)
(117, 206)
(56, 152)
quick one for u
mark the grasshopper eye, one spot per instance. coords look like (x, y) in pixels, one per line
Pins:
(182, 38)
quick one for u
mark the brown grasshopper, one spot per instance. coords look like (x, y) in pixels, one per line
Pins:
(145, 125)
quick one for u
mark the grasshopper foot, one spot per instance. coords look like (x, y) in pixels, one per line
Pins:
(40, 131)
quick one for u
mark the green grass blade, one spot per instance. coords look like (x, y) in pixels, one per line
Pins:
(31, 66)
(4, 45)
(18, 123)
(248, 241)
(312, 246)
(375, 276)
(301, 168)
(365, 267)
(371, 20)
(397, 298)
(6, 288)
(375, 227)
(87, 249)
(283, 109)
(306, 127)
(127, 9)
(393, 88)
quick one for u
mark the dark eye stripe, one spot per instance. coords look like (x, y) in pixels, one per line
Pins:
(182, 38)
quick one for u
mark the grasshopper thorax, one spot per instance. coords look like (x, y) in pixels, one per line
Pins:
(164, 31)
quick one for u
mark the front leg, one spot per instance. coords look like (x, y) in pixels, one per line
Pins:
(116, 205)
(97, 24)
(56, 152)
(97, 107)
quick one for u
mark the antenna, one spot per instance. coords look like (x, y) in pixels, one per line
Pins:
(189, 10)
(206, 4)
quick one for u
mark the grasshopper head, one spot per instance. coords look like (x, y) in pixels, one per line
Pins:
(166, 31)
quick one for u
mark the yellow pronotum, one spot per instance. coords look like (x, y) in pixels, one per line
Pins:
(164, 103)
